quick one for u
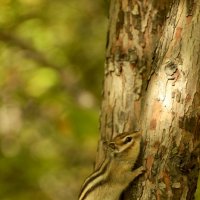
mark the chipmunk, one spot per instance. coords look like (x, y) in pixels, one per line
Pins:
(116, 172)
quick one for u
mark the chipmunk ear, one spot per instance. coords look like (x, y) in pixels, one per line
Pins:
(112, 146)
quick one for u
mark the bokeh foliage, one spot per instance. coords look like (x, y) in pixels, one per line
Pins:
(51, 72)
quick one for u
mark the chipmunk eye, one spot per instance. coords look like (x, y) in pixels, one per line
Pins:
(127, 140)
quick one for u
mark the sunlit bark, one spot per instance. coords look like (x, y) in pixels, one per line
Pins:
(152, 82)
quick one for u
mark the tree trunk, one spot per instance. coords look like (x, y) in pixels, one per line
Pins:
(152, 83)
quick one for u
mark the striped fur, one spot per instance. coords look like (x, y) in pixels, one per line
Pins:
(93, 181)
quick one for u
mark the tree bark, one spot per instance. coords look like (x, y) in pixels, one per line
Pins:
(152, 83)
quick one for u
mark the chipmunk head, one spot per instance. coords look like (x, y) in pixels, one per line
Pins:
(125, 142)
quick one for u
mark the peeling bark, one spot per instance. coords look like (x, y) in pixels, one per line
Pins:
(152, 82)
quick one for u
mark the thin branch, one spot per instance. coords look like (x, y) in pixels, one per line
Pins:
(30, 51)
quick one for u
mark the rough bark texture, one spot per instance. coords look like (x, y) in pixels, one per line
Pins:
(152, 82)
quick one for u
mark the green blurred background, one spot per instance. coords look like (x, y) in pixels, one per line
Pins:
(51, 72)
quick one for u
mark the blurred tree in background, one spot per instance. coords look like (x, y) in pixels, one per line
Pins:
(51, 68)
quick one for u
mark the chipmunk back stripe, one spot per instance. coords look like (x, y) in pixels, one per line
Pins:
(92, 189)
(94, 180)
(100, 170)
